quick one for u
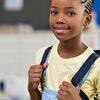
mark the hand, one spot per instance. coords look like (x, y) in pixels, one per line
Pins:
(34, 76)
(68, 92)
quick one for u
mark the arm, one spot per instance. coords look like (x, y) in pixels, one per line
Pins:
(34, 75)
(35, 94)
(98, 87)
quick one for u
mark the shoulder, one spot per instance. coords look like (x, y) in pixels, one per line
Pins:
(97, 63)
(40, 52)
(95, 71)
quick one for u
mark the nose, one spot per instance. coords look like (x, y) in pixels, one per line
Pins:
(60, 19)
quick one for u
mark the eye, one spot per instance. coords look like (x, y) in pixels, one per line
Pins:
(70, 13)
(53, 12)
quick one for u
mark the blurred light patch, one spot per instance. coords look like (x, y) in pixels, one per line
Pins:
(13, 5)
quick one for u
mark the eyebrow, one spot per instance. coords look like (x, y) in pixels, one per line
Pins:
(53, 7)
(65, 7)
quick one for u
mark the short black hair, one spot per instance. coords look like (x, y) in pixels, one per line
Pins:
(88, 5)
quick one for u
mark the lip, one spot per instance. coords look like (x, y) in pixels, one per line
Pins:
(61, 29)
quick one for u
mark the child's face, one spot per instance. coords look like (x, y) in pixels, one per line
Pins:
(67, 18)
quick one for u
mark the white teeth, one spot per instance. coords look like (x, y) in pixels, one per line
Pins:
(61, 30)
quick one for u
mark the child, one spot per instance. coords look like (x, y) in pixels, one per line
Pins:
(67, 20)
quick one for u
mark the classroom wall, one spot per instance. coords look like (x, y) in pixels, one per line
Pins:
(35, 12)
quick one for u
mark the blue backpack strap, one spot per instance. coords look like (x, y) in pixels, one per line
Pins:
(43, 61)
(83, 71)
(97, 52)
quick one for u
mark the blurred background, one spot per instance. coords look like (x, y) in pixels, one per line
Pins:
(24, 29)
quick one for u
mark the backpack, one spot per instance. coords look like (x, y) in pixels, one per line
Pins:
(80, 77)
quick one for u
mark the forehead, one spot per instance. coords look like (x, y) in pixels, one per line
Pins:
(65, 3)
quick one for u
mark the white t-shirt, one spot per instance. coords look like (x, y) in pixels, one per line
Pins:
(61, 69)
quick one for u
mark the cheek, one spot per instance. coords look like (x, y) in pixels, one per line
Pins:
(82, 20)
(50, 21)
(79, 22)
(82, 23)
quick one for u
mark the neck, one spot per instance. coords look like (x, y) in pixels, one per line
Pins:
(71, 48)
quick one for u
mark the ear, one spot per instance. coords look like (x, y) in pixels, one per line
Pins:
(88, 19)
